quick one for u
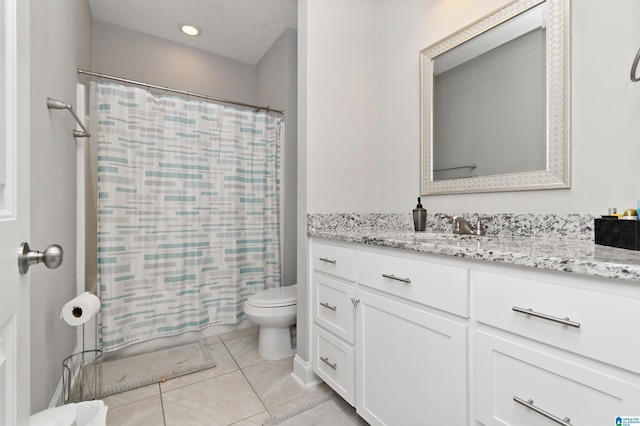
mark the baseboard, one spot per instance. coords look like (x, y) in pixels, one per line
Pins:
(303, 372)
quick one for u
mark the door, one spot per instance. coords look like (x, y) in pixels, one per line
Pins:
(14, 211)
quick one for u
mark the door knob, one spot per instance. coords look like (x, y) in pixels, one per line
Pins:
(51, 257)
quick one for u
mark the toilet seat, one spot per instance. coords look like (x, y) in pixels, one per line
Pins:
(277, 297)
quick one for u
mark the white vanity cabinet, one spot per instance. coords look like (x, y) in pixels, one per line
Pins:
(422, 339)
(399, 326)
(550, 350)
(410, 365)
(411, 361)
(589, 322)
(519, 384)
(333, 310)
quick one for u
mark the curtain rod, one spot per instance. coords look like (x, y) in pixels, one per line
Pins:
(181, 92)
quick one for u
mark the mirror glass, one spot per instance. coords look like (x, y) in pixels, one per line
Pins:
(494, 103)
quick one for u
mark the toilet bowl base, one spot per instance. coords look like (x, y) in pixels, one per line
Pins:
(274, 343)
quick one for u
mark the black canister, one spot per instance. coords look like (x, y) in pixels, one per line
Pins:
(419, 217)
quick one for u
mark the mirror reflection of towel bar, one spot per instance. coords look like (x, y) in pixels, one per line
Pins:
(470, 166)
(464, 177)
(56, 104)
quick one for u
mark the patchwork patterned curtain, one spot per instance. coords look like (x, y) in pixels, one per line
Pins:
(188, 212)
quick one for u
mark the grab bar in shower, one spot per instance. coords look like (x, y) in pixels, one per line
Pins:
(56, 104)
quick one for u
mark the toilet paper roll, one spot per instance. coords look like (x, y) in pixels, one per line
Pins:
(80, 309)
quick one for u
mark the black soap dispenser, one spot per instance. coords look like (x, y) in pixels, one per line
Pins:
(419, 217)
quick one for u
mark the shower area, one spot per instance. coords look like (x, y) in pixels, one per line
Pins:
(188, 211)
(190, 201)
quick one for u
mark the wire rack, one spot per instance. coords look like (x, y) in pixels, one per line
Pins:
(82, 375)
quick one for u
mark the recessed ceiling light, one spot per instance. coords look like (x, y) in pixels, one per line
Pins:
(190, 30)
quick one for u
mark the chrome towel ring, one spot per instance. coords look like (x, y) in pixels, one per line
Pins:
(634, 68)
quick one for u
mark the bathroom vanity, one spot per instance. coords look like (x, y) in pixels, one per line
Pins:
(440, 329)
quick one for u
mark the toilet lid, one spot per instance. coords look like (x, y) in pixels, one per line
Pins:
(278, 296)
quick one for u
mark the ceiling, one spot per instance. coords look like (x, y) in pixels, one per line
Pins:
(239, 29)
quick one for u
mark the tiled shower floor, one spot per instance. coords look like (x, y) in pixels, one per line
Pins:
(243, 389)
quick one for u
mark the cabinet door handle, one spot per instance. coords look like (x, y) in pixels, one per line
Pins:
(393, 277)
(333, 365)
(529, 404)
(565, 321)
(328, 306)
(324, 259)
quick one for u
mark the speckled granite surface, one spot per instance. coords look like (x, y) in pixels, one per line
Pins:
(563, 247)
(565, 226)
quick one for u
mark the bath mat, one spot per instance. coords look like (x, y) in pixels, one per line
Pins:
(121, 374)
(327, 410)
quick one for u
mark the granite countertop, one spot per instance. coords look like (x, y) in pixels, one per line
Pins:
(565, 255)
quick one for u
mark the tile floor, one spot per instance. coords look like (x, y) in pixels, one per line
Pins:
(242, 390)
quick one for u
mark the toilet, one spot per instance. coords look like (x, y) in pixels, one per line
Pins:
(274, 310)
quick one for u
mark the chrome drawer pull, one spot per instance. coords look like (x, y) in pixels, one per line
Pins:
(324, 259)
(393, 277)
(529, 404)
(326, 361)
(328, 306)
(565, 321)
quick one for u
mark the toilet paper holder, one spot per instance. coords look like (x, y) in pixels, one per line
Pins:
(51, 257)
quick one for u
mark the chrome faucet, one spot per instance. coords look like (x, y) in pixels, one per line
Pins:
(463, 227)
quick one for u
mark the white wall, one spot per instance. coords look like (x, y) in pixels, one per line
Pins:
(130, 54)
(303, 347)
(60, 43)
(340, 107)
(276, 79)
(362, 112)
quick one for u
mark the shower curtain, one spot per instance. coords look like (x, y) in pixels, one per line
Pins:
(188, 212)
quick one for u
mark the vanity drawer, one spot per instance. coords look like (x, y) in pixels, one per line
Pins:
(334, 260)
(505, 370)
(334, 362)
(432, 284)
(333, 308)
(609, 325)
